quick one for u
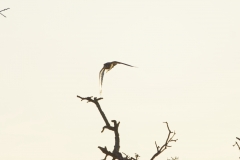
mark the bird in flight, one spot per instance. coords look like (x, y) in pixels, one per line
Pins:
(107, 67)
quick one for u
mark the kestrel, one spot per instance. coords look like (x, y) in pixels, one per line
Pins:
(107, 67)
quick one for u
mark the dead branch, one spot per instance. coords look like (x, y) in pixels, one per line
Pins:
(175, 158)
(131, 158)
(236, 144)
(115, 154)
(2, 11)
(95, 101)
(166, 144)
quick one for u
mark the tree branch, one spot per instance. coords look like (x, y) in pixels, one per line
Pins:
(166, 144)
(95, 101)
(236, 144)
(175, 158)
(115, 153)
(131, 158)
(4, 10)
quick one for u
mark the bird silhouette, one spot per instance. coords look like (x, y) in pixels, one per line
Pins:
(107, 67)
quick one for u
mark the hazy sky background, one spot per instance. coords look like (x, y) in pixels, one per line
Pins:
(188, 58)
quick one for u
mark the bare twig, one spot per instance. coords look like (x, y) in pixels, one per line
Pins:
(166, 144)
(175, 158)
(236, 144)
(131, 158)
(95, 101)
(105, 158)
(136, 156)
(105, 151)
(2, 11)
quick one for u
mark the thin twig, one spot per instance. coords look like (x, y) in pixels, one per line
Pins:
(4, 10)
(236, 144)
(166, 144)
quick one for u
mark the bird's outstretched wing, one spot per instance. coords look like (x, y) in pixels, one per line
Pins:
(101, 74)
(122, 63)
(107, 67)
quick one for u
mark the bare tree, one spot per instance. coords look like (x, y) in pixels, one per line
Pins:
(236, 144)
(116, 154)
(2, 11)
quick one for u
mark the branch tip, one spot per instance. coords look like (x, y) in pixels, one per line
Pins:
(166, 144)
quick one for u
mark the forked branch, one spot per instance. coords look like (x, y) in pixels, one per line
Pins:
(2, 11)
(115, 154)
(236, 144)
(166, 144)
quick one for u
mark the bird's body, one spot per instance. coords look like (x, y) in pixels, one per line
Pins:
(107, 67)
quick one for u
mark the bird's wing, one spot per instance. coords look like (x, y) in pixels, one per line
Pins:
(101, 74)
(122, 63)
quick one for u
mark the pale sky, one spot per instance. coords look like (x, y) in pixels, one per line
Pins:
(188, 58)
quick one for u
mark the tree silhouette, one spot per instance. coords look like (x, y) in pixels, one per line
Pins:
(116, 154)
